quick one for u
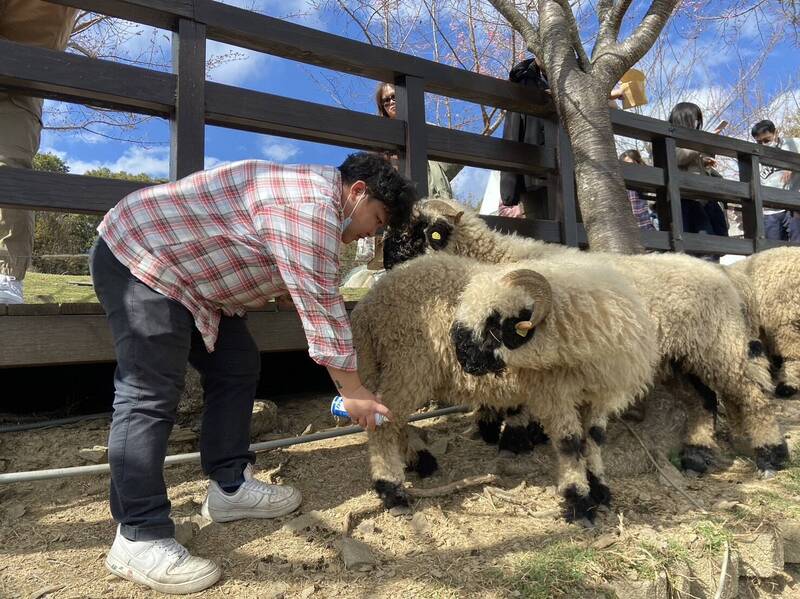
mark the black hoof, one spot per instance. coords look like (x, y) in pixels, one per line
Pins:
(426, 463)
(577, 507)
(489, 431)
(772, 457)
(536, 434)
(515, 439)
(391, 494)
(696, 458)
(784, 390)
(598, 490)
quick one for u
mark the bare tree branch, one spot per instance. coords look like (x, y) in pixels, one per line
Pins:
(529, 33)
(603, 6)
(583, 60)
(610, 26)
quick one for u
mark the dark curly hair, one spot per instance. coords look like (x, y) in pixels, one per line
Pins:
(384, 183)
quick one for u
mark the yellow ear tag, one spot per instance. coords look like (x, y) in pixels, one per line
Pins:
(436, 235)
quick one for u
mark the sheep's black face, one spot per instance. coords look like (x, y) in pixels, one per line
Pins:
(476, 353)
(404, 244)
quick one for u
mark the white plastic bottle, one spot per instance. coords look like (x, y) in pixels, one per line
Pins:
(337, 409)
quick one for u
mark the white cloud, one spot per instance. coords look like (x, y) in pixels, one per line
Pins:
(784, 110)
(279, 149)
(135, 160)
(243, 66)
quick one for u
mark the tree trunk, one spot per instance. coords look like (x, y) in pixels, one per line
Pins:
(581, 100)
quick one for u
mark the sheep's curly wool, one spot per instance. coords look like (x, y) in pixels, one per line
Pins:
(702, 321)
(445, 326)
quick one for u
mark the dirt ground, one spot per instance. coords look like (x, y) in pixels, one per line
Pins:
(54, 534)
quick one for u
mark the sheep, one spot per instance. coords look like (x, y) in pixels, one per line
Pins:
(773, 277)
(447, 325)
(703, 330)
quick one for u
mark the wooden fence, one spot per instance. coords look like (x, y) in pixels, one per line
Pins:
(190, 102)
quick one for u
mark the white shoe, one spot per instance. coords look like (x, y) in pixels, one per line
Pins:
(164, 565)
(253, 499)
(10, 290)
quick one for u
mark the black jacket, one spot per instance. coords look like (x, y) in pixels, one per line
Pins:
(523, 128)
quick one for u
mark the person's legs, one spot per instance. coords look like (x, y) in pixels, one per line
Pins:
(792, 226)
(773, 226)
(19, 141)
(152, 337)
(230, 376)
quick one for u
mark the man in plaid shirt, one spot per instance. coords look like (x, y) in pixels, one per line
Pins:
(175, 268)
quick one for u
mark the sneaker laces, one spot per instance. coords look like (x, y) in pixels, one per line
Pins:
(258, 486)
(172, 548)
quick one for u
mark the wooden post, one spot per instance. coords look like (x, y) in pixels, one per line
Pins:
(753, 208)
(567, 203)
(668, 202)
(410, 97)
(187, 122)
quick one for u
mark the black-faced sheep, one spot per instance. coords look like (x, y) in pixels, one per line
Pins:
(700, 320)
(574, 342)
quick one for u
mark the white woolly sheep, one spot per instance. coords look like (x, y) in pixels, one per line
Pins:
(451, 326)
(773, 276)
(700, 317)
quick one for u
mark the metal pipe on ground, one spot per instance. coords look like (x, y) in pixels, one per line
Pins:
(28, 426)
(183, 458)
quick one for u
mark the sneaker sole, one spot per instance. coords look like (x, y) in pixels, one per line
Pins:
(231, 515)
(179, 588)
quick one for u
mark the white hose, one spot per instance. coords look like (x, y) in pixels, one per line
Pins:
(33, 475)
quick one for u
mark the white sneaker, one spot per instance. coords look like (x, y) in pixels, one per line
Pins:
(10, 290)
(164, 565)
(253, 499)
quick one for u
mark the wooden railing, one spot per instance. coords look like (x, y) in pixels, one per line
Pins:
(190, 102)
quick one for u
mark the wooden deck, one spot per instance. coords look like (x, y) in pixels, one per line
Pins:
(52, 334)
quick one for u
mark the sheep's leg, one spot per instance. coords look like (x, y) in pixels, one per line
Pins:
(418, 458)
(387, 450)
(785, 346)
(594, 425)
(742, 378)
(521, 432)
(489, 420)
(563, 426)
(700, 404)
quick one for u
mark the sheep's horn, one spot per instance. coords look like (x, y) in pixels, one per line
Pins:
(524, 327)
(538, 287)
(444, 208)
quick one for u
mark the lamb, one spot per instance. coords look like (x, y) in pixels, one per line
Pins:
(773, 276)
(447, 325)
(703, 334)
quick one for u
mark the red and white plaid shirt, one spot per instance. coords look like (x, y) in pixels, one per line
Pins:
(233, 237)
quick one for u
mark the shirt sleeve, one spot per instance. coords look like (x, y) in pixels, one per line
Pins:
(304, 241)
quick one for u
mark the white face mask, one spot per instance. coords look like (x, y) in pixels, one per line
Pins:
(348, 220)
(365, 249)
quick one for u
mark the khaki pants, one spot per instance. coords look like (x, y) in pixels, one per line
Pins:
(20, 128)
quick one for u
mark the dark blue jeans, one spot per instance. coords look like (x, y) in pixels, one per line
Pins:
(782, 226)
(154, 338)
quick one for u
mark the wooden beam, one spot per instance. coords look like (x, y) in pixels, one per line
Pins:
(410, 96)
(187, 121)
(642, 178)
(752, 207)
(637, 126)
(158, 13)
(24, 188)
(450, 145)
(668, 200)
(51, 339)
(72, 78)
(715, 244)
(693, 185)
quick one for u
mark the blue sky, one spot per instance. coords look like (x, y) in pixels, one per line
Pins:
(695, 61)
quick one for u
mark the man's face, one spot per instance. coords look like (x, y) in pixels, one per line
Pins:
(368, 215)
(767, 138)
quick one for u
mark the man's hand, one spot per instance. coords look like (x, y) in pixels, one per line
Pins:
(786, 176)
(362, 405)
